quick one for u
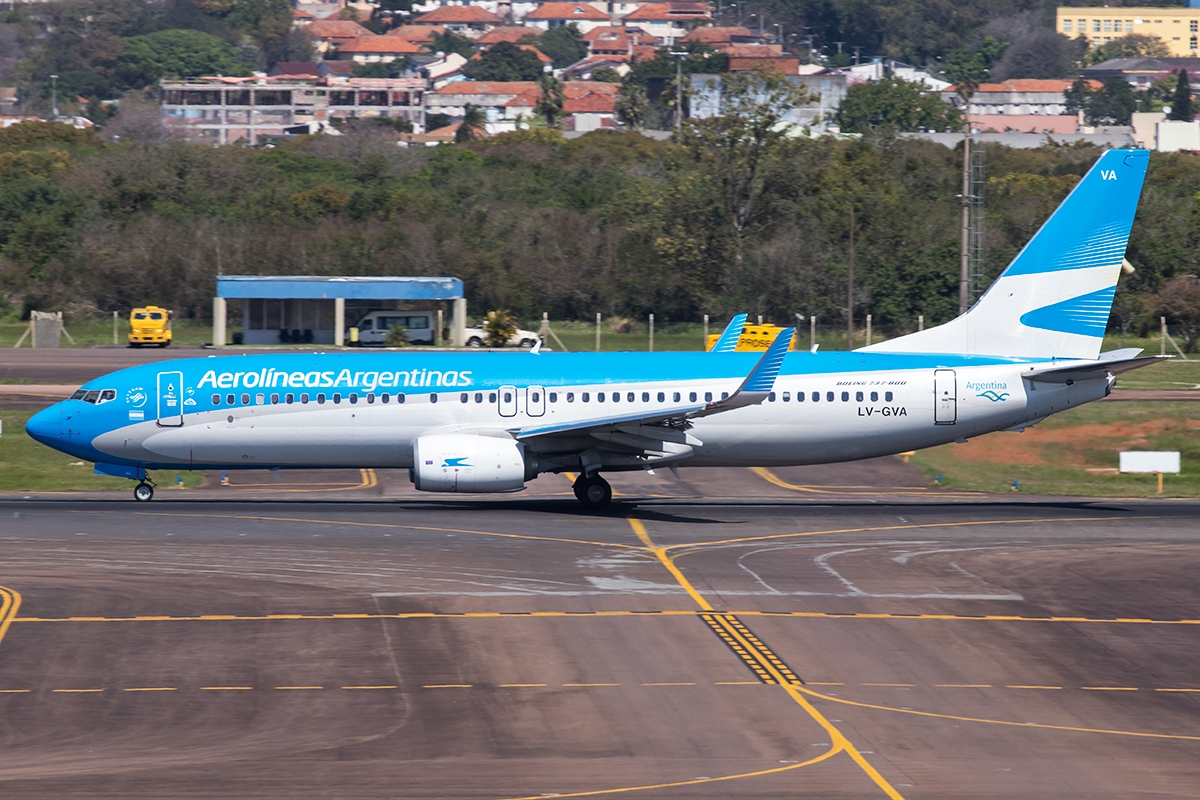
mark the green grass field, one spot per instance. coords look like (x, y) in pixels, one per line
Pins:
(27, 466)
(91, 332)
(1069, 452)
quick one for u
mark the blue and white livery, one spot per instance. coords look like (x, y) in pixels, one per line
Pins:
(491, 422)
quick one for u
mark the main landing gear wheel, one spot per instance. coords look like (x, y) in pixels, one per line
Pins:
(593, 491)
(143, 493)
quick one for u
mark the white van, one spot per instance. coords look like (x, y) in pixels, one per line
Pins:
(373, 328)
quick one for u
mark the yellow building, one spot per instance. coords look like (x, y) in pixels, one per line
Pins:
(1178, 26)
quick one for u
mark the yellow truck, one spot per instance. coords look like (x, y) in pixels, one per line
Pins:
(753, 338)
(149, 325)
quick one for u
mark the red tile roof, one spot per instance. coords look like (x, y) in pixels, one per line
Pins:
(459, 14)
(716, 35)
(575, 11)
(753, 50)
(298, 14)
(593, 102)
(789, 65)
(508, 33)
(1029, 85)
(487, 87)
(337, 29)
(418, 34)
(666, 12)
(385, 45)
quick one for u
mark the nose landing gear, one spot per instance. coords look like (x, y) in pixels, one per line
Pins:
(593, 491)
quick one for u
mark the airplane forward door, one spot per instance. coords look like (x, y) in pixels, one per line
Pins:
(507, 399)
(170, 399)
(535, 401)
(945, 397)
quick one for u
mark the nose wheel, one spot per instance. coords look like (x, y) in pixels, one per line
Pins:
(143, 493)
(593, 491)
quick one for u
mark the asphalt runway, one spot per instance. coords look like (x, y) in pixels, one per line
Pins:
(836, 632)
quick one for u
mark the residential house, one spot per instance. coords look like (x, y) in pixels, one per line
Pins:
(472, 21)
(1021, 96)
(826, 90)
(749, 57)
(506, 104)
(589, 105)
(1140, 72)
(558, 15)
(420, 35)
(669, 21)
(377, 49)
(294, 68)
(719, 37)
(330, 34)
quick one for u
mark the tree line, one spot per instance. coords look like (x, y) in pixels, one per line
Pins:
(732, 217)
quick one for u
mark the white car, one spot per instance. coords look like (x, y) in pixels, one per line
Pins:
(477, 337)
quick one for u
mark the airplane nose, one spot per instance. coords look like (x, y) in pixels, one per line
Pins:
(46, 426)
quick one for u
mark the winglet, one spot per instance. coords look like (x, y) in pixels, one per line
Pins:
(759, 383)
(728, 341)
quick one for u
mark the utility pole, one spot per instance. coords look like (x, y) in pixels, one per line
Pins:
(850, 289)
(857, 49)
(54, 96)
(964, 275)
(678, 89)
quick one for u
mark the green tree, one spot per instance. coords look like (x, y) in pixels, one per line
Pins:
(1076, 96)
(974, 65)
(1114, 104)
(1131, 45)
(505, 61)
(632, 104)
(740, 139)
(1179, 302)
(896, 102)
(550, 105)
(606, 75)
(175, 54)
(451, 42)
(1181, 103)
(472, 126)
(564, 44)
(498, 328)
(397, 336)
(374, 69)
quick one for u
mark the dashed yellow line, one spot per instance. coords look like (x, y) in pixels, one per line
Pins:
(298, 688)
(445, 686)
(374, 687)
(76, 691)
(581, 685)
(226, 688)
(520, 685)
(1022, 686)
(669, 684)
(150, 689)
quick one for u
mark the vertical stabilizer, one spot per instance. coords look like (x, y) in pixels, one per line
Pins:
(1054, 299)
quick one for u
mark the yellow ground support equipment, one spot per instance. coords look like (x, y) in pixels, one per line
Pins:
(149, 325)
(753, 338)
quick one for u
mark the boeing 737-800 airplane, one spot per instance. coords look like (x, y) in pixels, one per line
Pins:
(490, 422)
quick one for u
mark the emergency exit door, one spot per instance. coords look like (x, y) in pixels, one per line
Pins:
(535, 401)
(507, 400)
(170, 399)
(945, 397)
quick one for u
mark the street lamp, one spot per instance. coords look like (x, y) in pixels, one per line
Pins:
(54, 96)
(678, 89)
(778, 32)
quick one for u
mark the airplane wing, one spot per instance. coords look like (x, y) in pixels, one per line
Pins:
(753, 390)
(728, 341)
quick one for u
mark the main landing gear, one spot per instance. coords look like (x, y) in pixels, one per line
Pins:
(143, 492)
(593, 491)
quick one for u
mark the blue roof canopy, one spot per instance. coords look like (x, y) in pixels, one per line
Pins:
(306, 287)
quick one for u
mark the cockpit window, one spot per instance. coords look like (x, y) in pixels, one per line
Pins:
(91, 397)
(79, 393)
(108, 394)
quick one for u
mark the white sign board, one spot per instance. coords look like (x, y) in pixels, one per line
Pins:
(1160, 461)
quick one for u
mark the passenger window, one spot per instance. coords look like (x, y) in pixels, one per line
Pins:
(816, 397)
(479, 397)
(829, 396)
(320, 399)
(508, 397)
(616, 397)
(491, 397)
(216, 399)
(662, 397)
(337, 398)
(554, 397)
(400, 397)
(675, 397)
(433, 398)
(771, 397)
(534, 397)
(386, 398)
(245, 399)
(260, 399)
(353, 398)
(724, 395)
(304, 398)
(887, 396)
(708, 397)
(874, 397)
(570, 397)
(229, 399)
(274, 399)
(370, 397)
(845, 397)
(691, 397)
(289, 398)
(799, 397)
(787, 396)
(586, 397)
(858, 396)
(464, 397)
(600, 397)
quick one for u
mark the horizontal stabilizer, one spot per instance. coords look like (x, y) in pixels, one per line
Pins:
(1090, 370)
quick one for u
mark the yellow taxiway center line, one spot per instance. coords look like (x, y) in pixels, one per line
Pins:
(840, 742)
(771, 477)
(10, 603)
(1023, 686)
(694, 782)
(1039, 725)
(447, 686)
(226, 688)
(297, 688)
(151, 689)
(15, 691)
(370, 687)
(578, 685)
(520, 685)
(75, 691)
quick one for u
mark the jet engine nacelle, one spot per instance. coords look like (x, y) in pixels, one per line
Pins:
(463, 462)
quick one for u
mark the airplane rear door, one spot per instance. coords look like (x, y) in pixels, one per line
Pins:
(945, 397)
(507, 398)
(535, 401)
(170, 399)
